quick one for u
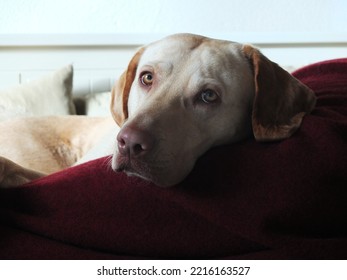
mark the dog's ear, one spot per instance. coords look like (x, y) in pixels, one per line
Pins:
(121, 90)
(280, 101)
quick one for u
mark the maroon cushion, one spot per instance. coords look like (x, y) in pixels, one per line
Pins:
(248, 200)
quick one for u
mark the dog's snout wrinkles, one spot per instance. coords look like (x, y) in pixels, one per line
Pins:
(134, 142)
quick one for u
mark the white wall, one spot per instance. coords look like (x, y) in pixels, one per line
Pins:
(100, 36)
(169, 16)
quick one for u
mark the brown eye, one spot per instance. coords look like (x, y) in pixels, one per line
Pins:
(209, 96)
(147, 79)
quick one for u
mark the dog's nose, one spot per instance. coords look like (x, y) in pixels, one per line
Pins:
(134, 142)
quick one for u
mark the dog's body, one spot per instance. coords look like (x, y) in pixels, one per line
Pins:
(49, 144)
(178, 98)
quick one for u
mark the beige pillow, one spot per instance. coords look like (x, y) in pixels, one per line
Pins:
(49, 95)
(98, 104)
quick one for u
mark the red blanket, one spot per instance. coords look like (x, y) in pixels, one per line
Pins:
(282, 200)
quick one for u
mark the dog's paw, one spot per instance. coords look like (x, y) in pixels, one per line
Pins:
(6, 173)
(11, 174)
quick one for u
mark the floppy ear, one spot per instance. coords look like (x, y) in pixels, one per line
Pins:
(280, 101)
(121, 90)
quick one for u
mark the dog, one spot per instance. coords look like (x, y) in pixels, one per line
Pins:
(179, 97)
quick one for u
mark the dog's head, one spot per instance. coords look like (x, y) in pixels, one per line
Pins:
(185, 94)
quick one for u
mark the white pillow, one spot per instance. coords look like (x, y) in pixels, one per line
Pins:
(98, 104)
(49, 95)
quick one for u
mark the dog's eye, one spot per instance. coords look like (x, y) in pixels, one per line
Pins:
(209, 96)
(147, 79)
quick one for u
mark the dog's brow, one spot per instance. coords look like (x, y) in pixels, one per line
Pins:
(163, 67)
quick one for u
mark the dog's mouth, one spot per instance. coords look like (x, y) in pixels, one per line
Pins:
(132, 167)
(153, 171)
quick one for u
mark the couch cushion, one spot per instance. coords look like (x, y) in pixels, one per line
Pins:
(49, 95)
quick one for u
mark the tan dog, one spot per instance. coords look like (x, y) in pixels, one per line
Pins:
(179, 97)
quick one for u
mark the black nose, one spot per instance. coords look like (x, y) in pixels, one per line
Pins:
(134, 142)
